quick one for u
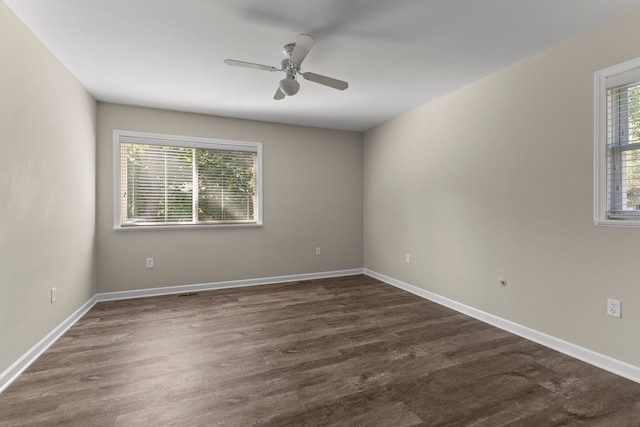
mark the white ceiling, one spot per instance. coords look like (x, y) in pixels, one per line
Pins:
(395, 54)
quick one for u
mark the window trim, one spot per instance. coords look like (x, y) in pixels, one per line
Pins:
(120, 136)
(615, 75)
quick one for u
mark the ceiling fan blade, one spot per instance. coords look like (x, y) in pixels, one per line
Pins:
(250, 65)
(327, 81)
(279, 94)
(304, 43)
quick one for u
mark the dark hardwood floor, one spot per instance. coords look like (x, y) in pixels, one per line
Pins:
(348, 351)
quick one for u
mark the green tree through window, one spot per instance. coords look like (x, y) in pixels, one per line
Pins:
(633, 156)
(166, 184)
(623, 130)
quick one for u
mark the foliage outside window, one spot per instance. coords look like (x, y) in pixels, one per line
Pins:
(617, 155)
(623, 150)
(168, 181)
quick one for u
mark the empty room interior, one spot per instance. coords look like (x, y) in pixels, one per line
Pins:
(433, 221)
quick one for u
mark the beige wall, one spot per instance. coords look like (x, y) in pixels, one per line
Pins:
(312, 197)
(496, 180)
(47, 190)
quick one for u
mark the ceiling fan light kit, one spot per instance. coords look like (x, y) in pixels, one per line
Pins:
(296, 53)
(289, 86)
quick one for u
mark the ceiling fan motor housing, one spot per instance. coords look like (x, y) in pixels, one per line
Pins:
(289, 66)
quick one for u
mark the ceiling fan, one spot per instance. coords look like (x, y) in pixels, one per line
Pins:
(296, 52)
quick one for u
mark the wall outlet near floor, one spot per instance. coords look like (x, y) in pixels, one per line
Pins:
(318, 250)
(407, 259)
(614, 308)
(54, 294)
(150, 263)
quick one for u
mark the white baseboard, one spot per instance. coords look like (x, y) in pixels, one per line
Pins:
(13, 371)
(169, 290)
(602, 361)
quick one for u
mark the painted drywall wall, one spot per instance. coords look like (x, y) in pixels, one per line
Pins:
(47, 190)
(312, 197)
(496, 180)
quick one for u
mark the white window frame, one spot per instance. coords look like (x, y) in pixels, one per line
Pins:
(124, 136)
(616, 75)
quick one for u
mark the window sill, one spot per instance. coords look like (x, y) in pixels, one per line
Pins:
(627, 223)
(185, 227)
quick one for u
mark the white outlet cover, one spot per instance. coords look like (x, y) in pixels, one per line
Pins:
(614, 308)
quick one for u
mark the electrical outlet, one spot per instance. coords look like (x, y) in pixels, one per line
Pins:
(318, 250)
(54, 295)
(614, 308)
(407, 259)
(149, 263)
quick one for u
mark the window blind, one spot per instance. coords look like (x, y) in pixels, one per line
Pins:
(164, 184)
(623, 151)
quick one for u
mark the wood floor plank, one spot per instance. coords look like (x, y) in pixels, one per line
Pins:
(347, 351)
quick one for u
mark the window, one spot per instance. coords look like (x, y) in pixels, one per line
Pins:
(165, 181)
(617, 145)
